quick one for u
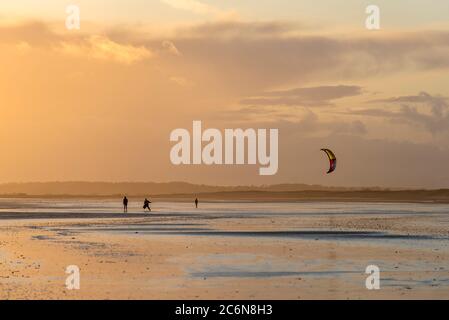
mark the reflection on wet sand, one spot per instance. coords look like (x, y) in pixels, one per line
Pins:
(232, 250)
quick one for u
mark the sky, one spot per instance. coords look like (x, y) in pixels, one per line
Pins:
(99, 103)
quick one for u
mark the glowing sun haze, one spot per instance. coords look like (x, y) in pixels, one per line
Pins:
(99, 103)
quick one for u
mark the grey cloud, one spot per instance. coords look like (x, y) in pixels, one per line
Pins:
(437, 103)
(311, 124)
(247, 58)
(238, 29)
(410, 111)
(254, 60)
(422, 97)
(312, 96)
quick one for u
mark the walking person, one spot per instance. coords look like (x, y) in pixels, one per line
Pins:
(125, 204)
(146, 204)
(196, 203)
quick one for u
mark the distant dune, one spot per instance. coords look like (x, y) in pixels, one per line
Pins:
(139, 188)
(182, 191)
(431, 196)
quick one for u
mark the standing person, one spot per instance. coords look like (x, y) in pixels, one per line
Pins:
(125, 204)
(196, 203)
(146, 204)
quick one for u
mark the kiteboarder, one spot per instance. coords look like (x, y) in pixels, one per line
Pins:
(146, 204)
(196, 203)
(125, 204)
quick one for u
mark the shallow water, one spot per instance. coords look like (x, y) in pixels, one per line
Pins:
(421, 230)
(221, 207)
(306, 220)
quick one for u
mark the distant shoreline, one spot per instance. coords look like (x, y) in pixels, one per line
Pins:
(409, 196)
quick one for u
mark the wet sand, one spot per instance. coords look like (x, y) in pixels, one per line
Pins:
(225, 254)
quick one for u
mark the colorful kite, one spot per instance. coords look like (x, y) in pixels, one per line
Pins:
(332, 160)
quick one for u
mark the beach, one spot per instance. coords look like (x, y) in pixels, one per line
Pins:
(223, 250)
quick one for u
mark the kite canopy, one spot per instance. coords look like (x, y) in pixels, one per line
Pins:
(332, 160)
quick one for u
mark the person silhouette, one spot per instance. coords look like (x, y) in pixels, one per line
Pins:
(146, 204)
(125, 204)
(196, 203)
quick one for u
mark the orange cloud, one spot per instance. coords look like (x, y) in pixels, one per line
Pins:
(102, 48)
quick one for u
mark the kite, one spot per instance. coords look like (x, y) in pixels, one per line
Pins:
(332, 160)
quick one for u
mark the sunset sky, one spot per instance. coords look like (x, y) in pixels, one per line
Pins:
(99, 103)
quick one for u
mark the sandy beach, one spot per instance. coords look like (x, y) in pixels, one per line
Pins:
(223, 250)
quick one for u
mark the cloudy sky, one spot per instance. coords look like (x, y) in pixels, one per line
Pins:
(99, 103)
